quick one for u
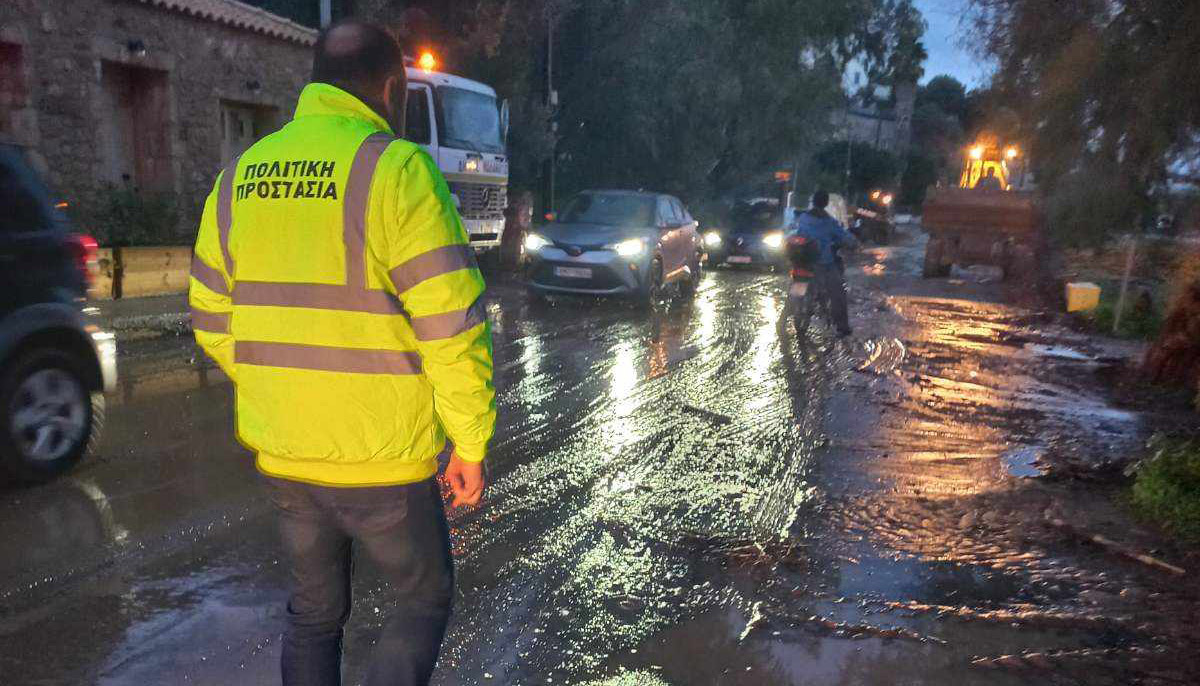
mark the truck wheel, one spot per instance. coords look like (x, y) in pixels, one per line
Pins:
(49, 418)
(1021, 263)
(933, 267)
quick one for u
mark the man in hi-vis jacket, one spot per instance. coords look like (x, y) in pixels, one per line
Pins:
(334, 284)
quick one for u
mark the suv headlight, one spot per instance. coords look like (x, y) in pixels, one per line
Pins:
(774, 240)
(630, 248)
(534, 242)
(712, 239)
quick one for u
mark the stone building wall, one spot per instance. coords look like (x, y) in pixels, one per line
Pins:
(70, 52)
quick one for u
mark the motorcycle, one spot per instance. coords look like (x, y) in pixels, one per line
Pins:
(805, 294)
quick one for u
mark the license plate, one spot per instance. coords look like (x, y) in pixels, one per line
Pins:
(799, 289)
(573, 272)
(738, 259)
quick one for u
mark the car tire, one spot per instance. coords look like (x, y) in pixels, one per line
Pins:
(690, 285)
(49, 418)
(651, 291)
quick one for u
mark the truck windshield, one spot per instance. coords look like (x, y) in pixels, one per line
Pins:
(471, 120)
(610, 209)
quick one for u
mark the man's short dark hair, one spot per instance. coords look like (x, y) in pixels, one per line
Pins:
(357, 56)
(820, 199)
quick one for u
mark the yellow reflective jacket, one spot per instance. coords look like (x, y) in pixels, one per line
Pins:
(333, 282)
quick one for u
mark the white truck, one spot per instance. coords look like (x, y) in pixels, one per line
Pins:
(462, 126)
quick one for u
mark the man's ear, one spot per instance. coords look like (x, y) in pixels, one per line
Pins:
(395, 98)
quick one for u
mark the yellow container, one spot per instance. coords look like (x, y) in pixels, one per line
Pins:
(1082, 295)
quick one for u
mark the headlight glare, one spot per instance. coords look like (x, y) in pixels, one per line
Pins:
(534, 242)
(630, 248)
(774, 240)
(712, 239)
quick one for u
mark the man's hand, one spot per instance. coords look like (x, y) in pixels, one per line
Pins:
(466, 481)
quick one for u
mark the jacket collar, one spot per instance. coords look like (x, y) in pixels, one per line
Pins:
(322, 99)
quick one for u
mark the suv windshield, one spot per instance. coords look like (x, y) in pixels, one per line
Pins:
(610, 209)
(756, 216)
(471, 120)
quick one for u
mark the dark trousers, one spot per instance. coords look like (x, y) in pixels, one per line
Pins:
(403, 530)
(833, 283)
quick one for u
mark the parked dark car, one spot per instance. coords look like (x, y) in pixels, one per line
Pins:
(55, 362)
(610, 242)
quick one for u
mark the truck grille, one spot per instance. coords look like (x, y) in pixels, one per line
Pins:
(480, 200)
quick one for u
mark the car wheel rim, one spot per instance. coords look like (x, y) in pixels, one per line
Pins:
(49, 415)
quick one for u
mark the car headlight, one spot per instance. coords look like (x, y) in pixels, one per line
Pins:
(712, 239)
(534, 242)
(630, 248)
(774, 240)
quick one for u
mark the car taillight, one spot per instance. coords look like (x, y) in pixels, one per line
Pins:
(87, 260)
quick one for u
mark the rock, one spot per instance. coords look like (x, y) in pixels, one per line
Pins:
(968, 520)
(1094, 597)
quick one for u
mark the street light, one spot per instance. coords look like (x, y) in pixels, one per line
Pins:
(1012, 152)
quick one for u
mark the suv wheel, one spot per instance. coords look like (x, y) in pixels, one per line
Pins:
(652, 290)
(690, 285)
(49, 419)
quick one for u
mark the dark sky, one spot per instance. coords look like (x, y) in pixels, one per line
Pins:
(944, 41)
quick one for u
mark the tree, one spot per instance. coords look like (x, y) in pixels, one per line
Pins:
(870, 168)
(692, 97)
(1109, 95)
(1107, 87)
(940, 121)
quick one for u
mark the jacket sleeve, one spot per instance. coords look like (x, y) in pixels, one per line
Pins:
(842, 237)
(209, 289)
(432, 267)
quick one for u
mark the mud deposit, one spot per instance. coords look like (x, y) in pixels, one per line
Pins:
(683, 497)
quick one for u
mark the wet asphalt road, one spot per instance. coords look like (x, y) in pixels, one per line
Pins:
(682, 497)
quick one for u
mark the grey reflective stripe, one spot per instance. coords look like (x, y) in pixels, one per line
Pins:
(433, 263)
(212, 279)
(212, 322)
(315, 295)
(447, 324)
(326, 358)
(355, 203)
(225, 212)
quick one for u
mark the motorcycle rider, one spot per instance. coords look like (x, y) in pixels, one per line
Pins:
(818, 225)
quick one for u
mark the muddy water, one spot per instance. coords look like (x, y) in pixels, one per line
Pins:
(681, 497)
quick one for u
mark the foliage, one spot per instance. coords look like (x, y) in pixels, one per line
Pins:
(870, 168)
(693, 97)
(1087, 206)
(940, 121)
(1108, 86)
(1167, 485)
(1137, 322)
(921, 172)
(121, 215)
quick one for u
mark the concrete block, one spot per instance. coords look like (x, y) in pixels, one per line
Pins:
(104, 280)
(154, 271)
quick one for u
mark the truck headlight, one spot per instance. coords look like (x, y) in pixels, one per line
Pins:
(630, 248)
(774, 241)
(534, 242)
(712, 239)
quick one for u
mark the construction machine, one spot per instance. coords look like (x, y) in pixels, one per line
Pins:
(990, 218)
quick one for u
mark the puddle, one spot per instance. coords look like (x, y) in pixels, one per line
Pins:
(1022, 462)
(1060, 352)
